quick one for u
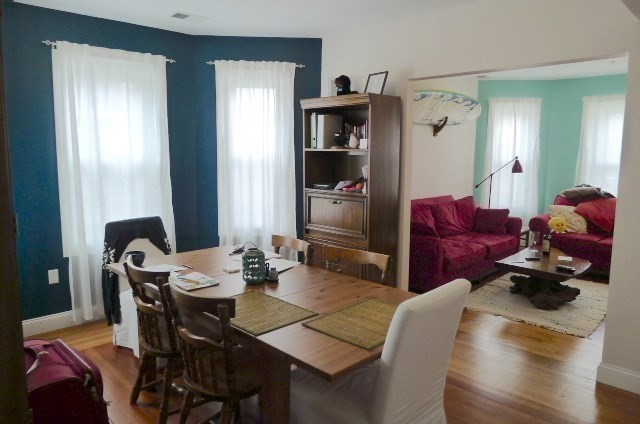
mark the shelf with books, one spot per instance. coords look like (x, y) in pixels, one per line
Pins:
(369, 220)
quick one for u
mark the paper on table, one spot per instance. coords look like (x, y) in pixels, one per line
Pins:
(565, 258)
(282, 264)
(164, 268)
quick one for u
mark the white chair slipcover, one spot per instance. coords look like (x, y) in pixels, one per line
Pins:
(406, 385)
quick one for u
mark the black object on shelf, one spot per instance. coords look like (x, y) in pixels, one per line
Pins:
(325, 186)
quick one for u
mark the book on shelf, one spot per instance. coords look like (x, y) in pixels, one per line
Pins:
(327, 127)
(313, 126)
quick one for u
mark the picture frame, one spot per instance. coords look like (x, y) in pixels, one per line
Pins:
(376, 82)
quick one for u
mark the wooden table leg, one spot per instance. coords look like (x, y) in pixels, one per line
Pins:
(276, 390)
(543, 294)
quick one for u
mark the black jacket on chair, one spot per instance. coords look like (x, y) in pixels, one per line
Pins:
(117, 236)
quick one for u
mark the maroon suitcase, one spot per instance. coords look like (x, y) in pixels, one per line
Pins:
(64, 385)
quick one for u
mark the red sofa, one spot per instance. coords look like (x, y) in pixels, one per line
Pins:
(455, 239)
(596, 245)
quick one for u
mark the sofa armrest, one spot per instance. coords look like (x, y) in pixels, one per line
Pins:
(514, 226)
(540, 223)
(426, 260)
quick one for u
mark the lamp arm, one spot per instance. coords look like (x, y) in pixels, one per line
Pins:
(491, 175)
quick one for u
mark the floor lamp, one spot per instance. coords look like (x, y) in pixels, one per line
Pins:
(515, 169)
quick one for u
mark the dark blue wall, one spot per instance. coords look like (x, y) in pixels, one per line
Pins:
(192, 131)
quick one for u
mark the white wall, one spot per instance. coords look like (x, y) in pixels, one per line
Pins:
(442, 164)
(497, 34)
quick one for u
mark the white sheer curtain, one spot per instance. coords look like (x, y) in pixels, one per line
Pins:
(113, 154)
(514, 130)
(256, 174)
(601, 142)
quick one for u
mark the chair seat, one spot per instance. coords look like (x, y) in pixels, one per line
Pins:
(348, 397)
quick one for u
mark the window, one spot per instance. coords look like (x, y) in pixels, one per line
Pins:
(514, 130)
(113, 154)
(256, 168)
(601, 142)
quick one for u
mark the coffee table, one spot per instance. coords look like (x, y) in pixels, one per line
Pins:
(542, 286)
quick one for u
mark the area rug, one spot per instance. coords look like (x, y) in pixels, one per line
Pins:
(579, 318)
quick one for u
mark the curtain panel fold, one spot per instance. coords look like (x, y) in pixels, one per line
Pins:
(598, 161)
(112, 148)
(256, 162)
(514, 130)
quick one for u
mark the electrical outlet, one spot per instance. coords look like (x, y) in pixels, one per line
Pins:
(54, 278)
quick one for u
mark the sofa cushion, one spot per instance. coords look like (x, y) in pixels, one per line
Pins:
(604, 246)
(456, 217)
(601, 212)
(492, 221)
(575, 223)
(496, 244)
(432, 200)
(459, 255)
(575, 244)
(422, 221)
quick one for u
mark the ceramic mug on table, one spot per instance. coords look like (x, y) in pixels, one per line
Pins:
(137, 257)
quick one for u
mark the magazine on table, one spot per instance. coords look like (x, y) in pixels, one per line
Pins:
(194, 280)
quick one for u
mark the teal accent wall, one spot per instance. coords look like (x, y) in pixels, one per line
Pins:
(560, 124)
(192, 130)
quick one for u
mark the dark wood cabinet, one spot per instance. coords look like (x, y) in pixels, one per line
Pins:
(367, 221)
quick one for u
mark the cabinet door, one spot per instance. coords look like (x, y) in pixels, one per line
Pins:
(337, 214)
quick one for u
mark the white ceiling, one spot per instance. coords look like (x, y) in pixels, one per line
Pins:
(296, 18)
(261, 18)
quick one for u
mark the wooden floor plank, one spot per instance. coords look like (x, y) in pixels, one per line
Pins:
(501, 371)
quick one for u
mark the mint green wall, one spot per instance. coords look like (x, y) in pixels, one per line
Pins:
(560, 123)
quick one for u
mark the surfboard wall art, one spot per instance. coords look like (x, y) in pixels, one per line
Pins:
(440, 108)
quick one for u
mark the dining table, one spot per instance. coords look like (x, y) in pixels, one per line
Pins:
(314, 289)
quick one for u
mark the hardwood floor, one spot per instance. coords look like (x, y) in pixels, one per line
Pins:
(501, 371)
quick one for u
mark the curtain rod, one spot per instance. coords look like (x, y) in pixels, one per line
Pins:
(298, 65)
(53, 44)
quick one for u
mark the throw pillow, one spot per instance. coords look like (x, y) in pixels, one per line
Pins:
(575, 222)
(421, 228)
(493, 221)
(423, 218)
(456, 217)
(601, 212)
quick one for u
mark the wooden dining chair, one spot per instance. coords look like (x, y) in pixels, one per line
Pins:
(406, 385)
(337, 258)
(292, 243)
(157, 335)
(217, 368)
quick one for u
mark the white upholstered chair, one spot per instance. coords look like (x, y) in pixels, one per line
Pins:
(125, 333)
(406, 385)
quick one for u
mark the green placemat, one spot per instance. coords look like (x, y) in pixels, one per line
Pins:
(258, 313)
(364, 324)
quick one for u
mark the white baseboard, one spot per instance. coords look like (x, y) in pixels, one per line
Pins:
(621, 378)
(48, 323)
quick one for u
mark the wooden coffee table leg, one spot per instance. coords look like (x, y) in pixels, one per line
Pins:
(543, 294)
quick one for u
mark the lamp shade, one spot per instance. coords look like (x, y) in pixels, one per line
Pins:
(517, 167)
